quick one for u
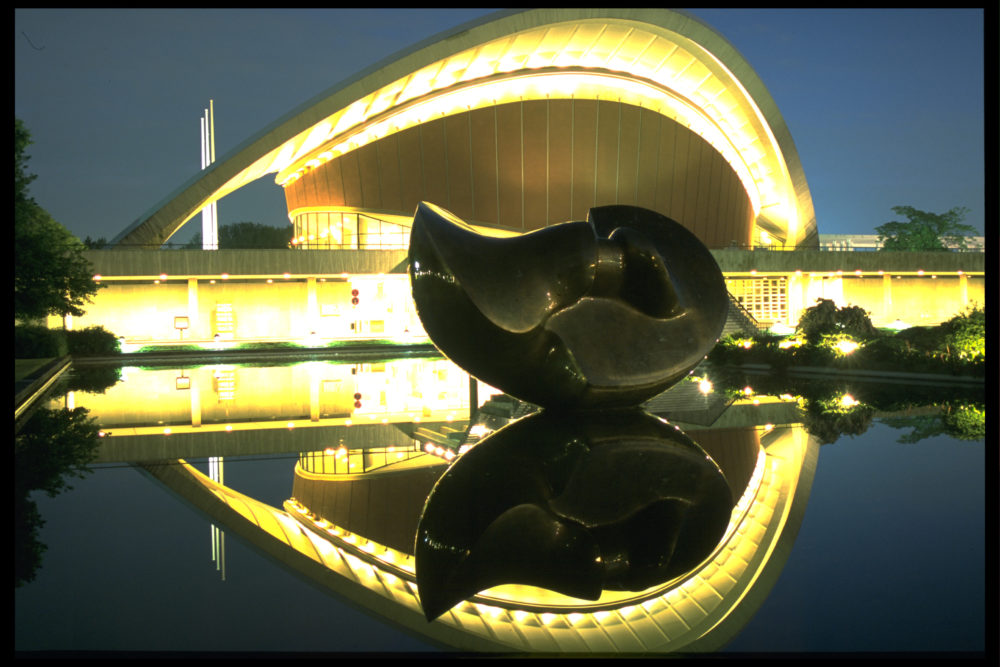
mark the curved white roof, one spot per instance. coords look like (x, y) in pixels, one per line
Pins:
(662, 59)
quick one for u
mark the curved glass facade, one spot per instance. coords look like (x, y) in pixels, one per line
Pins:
(343, 230)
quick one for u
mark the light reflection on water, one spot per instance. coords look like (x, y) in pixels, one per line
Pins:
(882, 561)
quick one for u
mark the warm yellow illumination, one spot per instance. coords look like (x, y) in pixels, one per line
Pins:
(846, 346)
(427, 96)
(705, 387)
(479, 430)
(847, 401)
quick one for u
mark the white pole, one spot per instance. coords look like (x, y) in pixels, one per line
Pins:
(209, 214)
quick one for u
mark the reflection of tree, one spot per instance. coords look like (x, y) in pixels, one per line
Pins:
(827, 415)
(966, 422)
(960, 421)
(53, 446)
(94, 379)
(828, 424)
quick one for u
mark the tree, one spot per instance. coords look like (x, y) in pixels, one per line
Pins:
(825, 318)
(925, 231)
(240, 235)
(51, 276)
(96, 244)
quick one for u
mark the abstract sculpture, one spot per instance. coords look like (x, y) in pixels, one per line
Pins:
(603, 313)
(587, 320)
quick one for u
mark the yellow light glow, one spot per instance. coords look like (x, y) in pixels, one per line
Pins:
(848, 401)
(747, 390)
(705, 387)
(163, 276)
(846, 346)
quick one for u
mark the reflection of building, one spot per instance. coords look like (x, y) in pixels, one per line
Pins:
(247, 408)
(697, 612)
(357, 498)
(518, 121)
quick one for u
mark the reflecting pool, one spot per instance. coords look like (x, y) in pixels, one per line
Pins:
(252, 507)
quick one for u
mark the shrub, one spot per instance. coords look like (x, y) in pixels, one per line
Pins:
(38, 342)
(92, 342)
(965, 334)
(826, 319)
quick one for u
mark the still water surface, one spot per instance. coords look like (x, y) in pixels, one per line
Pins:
(890, 556)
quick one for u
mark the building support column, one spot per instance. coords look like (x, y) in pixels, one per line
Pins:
(314, 385)
(195, 404)
(194, 321)
(312, 306)
(887, 299)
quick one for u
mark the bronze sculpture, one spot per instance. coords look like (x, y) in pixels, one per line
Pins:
(603, 313)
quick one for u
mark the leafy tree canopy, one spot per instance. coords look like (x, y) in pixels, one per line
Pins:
(51, 276)
(825, 318)
(925, 231)
(253, 235)
(96, 244)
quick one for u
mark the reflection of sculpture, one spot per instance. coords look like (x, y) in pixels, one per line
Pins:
(614, 500)
(607, 312)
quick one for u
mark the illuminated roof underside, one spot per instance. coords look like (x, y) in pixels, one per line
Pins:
(663, 60)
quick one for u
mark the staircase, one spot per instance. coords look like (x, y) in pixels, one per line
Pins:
(739, 320)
